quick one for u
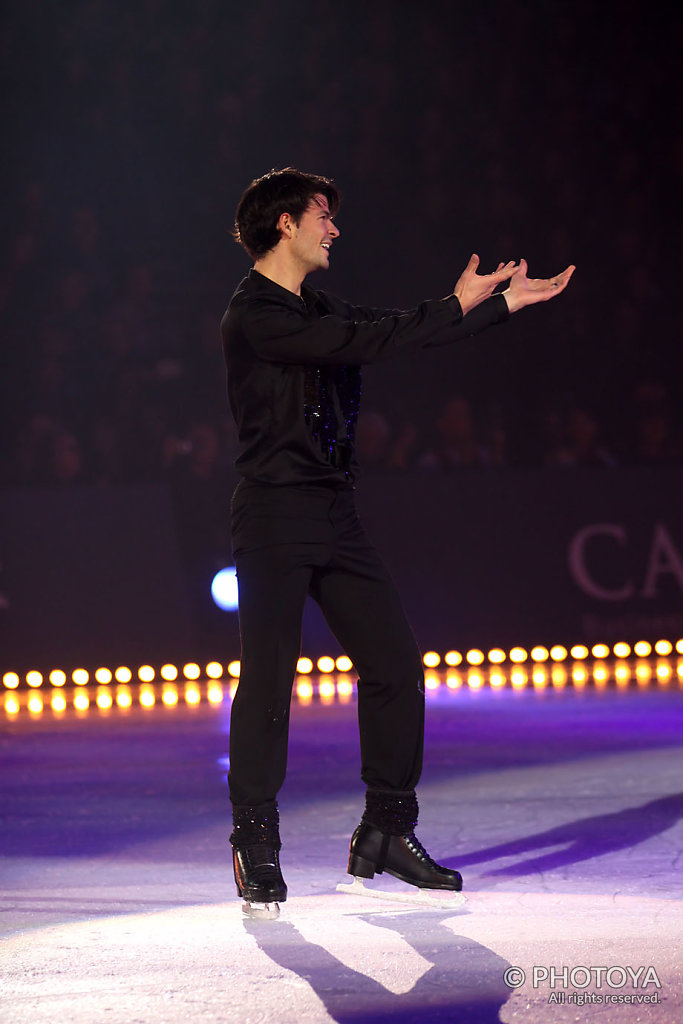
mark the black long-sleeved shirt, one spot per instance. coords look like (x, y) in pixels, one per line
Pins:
(294, 371)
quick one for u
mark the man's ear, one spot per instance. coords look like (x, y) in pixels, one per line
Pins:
(286, 225)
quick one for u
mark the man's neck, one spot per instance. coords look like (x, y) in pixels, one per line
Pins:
(282, 271)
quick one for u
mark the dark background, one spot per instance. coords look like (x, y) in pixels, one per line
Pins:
(549, 131)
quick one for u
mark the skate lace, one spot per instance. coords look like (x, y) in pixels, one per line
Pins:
(420, 850)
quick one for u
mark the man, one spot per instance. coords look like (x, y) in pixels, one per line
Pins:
(293, 358)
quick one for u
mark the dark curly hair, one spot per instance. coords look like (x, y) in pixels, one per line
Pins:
(267, 198)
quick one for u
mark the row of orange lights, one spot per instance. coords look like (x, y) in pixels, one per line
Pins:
(326, 664)
(341, 687)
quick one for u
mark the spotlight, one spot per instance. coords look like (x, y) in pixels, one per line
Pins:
(224, 590)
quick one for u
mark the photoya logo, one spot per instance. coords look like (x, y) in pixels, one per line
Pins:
(582, 977)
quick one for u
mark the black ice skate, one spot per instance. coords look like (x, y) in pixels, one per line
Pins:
(256, 862)
(388, 843)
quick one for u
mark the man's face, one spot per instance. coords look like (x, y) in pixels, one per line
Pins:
(314, 235)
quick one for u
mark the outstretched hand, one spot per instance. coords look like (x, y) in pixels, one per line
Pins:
(473, 288)
(524, 291)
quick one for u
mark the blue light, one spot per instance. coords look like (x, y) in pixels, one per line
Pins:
(224, 589)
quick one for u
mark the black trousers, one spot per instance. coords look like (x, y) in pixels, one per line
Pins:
(289, 542)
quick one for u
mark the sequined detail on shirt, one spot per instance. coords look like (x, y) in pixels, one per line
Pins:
(331, 402)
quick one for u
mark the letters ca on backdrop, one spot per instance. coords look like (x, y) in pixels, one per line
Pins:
(641, 577)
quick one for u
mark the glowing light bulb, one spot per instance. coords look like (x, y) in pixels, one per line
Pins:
(146, 673)
(344, 688)
(12, 705)
(475, 680)
(431, 659)
(124, 698)
(432, 681)
(214, 694)
(622, 650)
(326, 664)
(539, 654)
(192, 695)
(642, 649)
(475, 657)
(497, 656)
(453, 658)
(234, 669)
(344, 664)
(304, 691)
(104, 700)
(57, 677)
(58, 703)
(600, 651)
(579, 651)
(81, 702)
(169, 695)
(304, 666)
(123, 674)
(10, 680)
(169, 673)
(35, 704)
(600, 673)
(497, 679)
(518, 655)
(147, 697)
(326, 690)
(80, 678)
(558, 676)
(664, 647)
(558, 652)
(34, 679)
(214, 670)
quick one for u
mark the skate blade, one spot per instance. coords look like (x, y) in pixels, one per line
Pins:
(432, 899)
(261, 911)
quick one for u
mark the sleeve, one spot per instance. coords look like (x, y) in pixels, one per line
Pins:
(278, 333)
